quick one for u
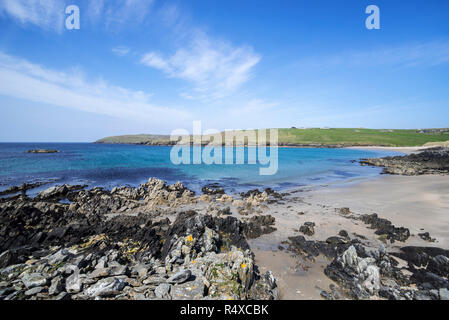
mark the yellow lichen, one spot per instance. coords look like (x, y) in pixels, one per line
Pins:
(189, 238)
(243, 265)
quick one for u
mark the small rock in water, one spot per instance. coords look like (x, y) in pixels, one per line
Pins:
(212, 189)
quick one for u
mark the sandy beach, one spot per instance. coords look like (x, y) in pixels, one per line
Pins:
(419, 203)
(406, 150)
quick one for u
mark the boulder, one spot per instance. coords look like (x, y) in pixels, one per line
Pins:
(74, 283)
(308, 228)
(31, 280)
(192, 290)
(444, 294)
(7, 258)
(162, 291)
(106, 287)
(180, 277)
(57, 285)
(33, 291)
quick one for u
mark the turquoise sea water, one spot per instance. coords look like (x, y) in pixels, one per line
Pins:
(115, 165)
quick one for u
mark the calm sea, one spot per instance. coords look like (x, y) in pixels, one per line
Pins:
(108, 165)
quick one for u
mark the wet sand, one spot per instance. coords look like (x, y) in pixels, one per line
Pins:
(416, 202)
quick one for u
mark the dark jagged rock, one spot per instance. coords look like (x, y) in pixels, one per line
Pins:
(308, 228)
(22, 188)
(212, 189)
(365, 272)
(57, 193)
(81, 251)
(255, 192)
(231, 230)
(426, 237)
(435, 259)
(335, 240)
(311, 248)
(430, 161)
(258, 225)
(385, 228)
(271, 195)
(344, 234)
(249, 193)
(343, 211)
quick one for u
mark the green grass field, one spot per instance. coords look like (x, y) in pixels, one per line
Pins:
(316, 136)
(347, 136)
(135, 139)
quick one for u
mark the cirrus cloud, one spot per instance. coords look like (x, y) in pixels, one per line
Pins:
(22, 79)
(46, 14)
(215, 68)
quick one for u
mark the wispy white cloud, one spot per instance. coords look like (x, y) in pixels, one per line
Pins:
(25, 80)
(214, 67)
(46, 14)
(424, 54)
(121, 51)
(116, 13)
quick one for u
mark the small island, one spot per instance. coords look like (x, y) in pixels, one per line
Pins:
(42, 151)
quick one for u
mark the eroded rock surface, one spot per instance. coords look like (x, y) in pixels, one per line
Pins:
(430, 161)
(77, 250)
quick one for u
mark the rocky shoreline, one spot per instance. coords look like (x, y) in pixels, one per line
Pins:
(81, 250)
(279, 144)
(160, 241)
(366, 270)
(430, 161)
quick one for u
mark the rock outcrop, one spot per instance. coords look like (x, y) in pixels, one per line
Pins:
(76, 250)
(430, 161)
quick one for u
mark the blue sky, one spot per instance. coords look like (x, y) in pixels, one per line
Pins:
(150, 66)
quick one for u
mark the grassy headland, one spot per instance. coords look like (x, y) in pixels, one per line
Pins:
(332, 137)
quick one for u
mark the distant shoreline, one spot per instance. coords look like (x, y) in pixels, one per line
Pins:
(407, 149)
(306, 138)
